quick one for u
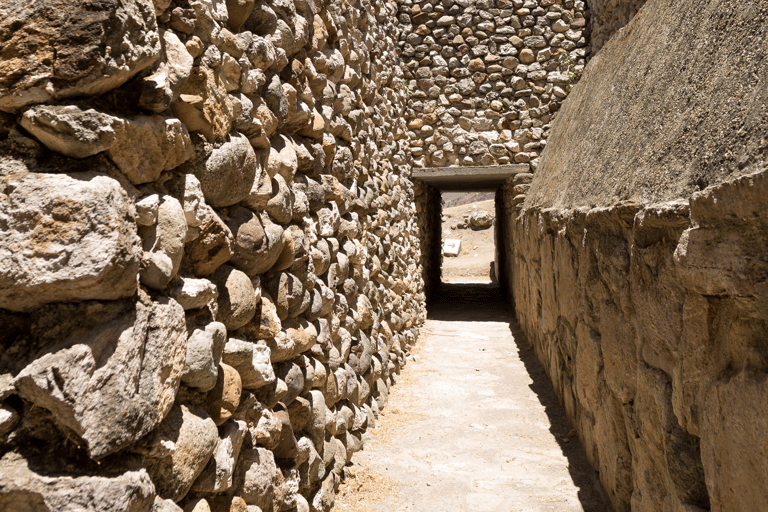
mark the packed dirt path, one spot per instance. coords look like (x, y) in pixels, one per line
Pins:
(472, 424)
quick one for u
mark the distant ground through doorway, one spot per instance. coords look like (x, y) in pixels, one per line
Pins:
(477, 246)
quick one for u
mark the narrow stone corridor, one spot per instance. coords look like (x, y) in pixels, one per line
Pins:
(473, 424)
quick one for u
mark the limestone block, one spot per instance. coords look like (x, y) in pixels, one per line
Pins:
(69, 130)
(64, 48)
(93, 385)
(68, 237)
(192, 293)
(176, 452)
(252, 361)
(204, 353)
(217, 475)
(21, 488)
(165, 144)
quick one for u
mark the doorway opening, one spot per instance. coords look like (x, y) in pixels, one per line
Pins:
(433, 187)
(467, 233)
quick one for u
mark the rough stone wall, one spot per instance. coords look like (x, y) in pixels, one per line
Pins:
(639, 266)
(484, 79)
(209, 262)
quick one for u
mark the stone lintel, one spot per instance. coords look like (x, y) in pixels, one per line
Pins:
(469, 179)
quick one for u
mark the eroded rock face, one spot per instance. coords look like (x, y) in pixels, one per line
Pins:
(61, 49)
(93, 385)
(65, 237)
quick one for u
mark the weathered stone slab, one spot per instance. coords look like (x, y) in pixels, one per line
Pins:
(65, 237)
(95, 382)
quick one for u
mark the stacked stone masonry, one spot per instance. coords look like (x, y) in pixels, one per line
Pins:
(484, 78)
(209, 268)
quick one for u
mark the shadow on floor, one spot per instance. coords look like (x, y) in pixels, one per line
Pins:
(479, 302)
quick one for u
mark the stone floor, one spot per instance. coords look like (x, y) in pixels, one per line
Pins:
(472, 425)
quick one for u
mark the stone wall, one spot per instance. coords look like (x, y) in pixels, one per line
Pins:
(209, 261)
(484, 77)
(638, 255)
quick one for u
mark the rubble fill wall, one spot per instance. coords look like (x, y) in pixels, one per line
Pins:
(639, 267)
(210, 267)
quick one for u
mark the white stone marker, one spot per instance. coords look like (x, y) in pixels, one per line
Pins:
(451, 247)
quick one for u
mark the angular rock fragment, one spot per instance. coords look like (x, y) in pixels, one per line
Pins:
(217, 475)
(252, 362)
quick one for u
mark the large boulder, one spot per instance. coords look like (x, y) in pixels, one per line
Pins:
(91, 379)
(66, 237)
(65, 48)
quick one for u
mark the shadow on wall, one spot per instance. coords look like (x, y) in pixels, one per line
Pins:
(475, 302)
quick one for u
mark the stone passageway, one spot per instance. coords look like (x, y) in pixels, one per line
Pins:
(473, 424)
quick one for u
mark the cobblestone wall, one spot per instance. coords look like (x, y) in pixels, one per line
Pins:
(484, 78)
(209, 262)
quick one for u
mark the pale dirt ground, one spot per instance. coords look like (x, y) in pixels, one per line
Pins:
(474, 259)
(472, 424)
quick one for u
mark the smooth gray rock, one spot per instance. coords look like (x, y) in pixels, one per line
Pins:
(91, 380)
(176, 452)
(66, 237)
(204, 350)
(65, 48)
(251, 361)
